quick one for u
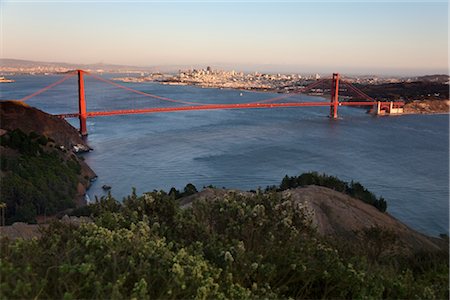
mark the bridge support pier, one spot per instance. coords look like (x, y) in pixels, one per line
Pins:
(389, 108)
(334, 96)
(82, 104)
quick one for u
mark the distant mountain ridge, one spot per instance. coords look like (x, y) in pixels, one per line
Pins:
(437, 78)
(246, 68)
(21, 63)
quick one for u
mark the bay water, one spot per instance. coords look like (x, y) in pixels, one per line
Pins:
(404, 158)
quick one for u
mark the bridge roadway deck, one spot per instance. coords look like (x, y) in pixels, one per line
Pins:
(212, 107)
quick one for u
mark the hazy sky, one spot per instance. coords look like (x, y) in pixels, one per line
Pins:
(358, 37)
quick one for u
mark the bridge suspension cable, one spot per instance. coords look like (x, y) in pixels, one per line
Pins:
(273, 99)
(302, 90)
(310, 86)
(358, 91)
(48, 87)
(315, 84)
(142, 93)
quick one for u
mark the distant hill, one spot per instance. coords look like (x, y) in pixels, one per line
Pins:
(19, 63)
(407, 91)
(247, 68)
(27, 64)
(437, 78)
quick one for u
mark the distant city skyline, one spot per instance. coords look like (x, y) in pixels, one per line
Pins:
(400, 38)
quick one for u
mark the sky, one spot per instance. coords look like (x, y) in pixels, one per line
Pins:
(356, 37)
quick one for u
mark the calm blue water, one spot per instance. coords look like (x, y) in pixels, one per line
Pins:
(405, 158)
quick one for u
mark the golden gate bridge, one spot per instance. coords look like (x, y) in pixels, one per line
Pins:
(381, 107)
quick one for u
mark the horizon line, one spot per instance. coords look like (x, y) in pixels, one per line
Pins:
(398, 72)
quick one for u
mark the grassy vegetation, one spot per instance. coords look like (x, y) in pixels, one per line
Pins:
(235, 246)
(38, 180)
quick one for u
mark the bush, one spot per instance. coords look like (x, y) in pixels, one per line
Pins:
(189, 189)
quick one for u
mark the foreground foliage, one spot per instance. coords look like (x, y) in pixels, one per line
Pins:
(236, 246)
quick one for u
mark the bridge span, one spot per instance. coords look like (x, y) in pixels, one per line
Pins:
(91, 114)
(379, 107)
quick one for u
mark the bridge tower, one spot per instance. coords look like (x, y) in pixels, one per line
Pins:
(82, 104)
(334, 96)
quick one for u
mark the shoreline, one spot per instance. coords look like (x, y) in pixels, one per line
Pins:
(427, 107)
(249, 89)
(425, 113)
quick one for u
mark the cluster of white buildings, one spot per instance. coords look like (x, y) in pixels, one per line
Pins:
(238, 80)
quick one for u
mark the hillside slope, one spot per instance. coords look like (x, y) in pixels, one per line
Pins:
(337, 215)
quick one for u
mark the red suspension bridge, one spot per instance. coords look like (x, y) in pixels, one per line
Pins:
(333, 104)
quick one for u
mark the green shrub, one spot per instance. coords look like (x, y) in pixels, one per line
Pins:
(235, 246)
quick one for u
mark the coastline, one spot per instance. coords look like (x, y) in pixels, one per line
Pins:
(427, 107)
(425, 113)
